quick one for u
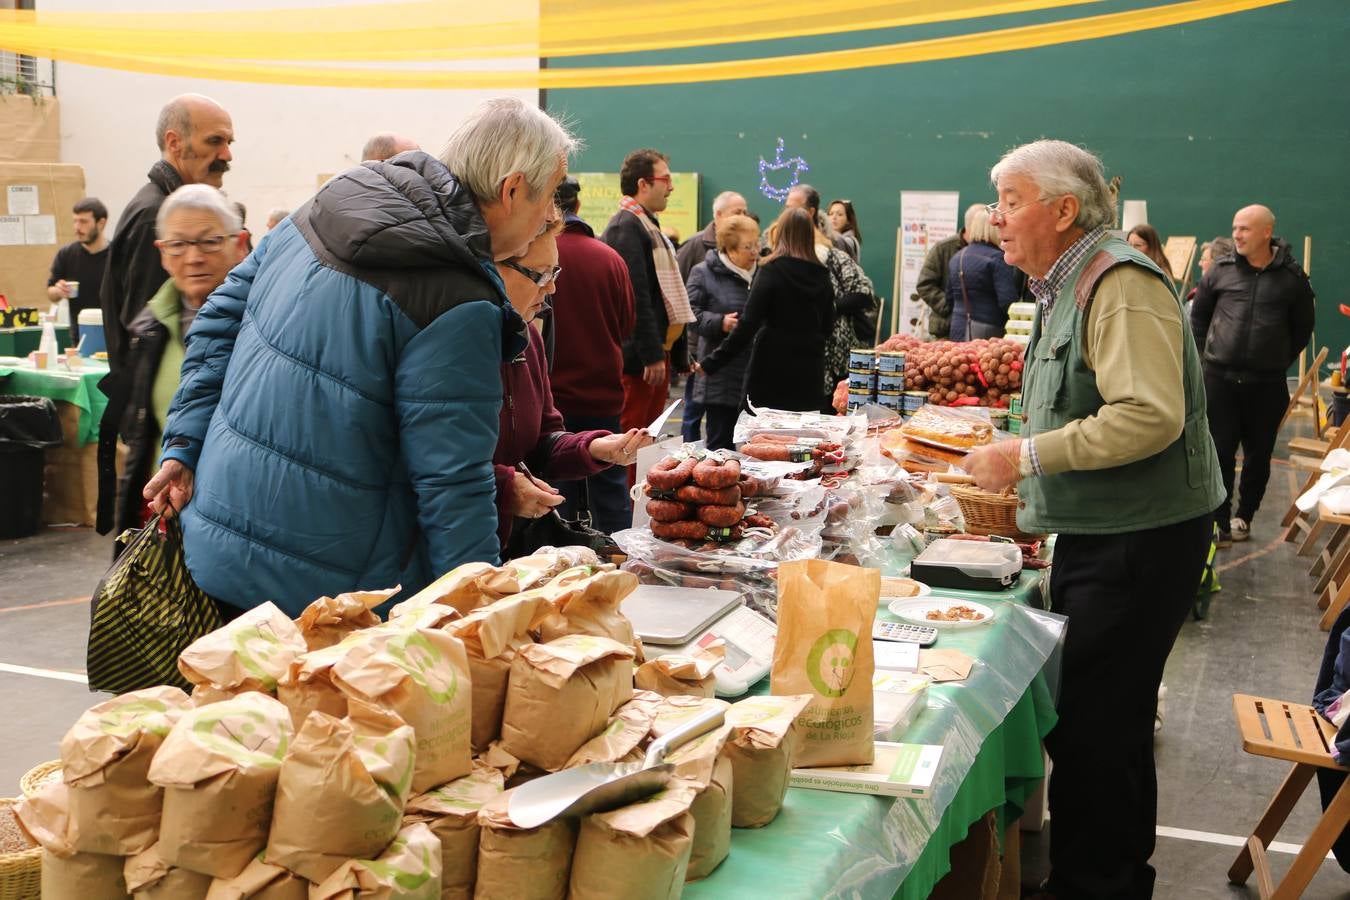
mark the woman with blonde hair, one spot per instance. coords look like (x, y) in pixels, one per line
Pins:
(788, 318)
(980, 284)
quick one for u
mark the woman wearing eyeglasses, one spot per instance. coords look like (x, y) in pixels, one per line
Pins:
(532, 446)
(198, 243)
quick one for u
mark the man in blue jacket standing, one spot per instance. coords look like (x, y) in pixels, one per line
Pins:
(337, 415)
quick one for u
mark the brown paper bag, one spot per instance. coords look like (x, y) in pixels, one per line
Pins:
(249, 654)
(676, 673)
(260, 881)
(630, 726)
(83, 876)
(422, 675)
(824, 648)
(105, 757)
(410, 869)
(546, 564)
(341, 791)
(149, 877)
(451, 812)
(463, 589)
(219, 768)
(561, 695)
(308, 685)
(328, 620)
(638, 852)
(763, 740)
(672, 712)
(586, 601)
(491, 636)
(520, 863)
(702, 763)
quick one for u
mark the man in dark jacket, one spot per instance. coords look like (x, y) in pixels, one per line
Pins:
(657, 338)
(339, 402)
(592, 317)
(931, 287)
(1252, 316)
(194, 134)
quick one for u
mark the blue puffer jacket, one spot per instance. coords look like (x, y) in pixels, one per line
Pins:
(340, 395)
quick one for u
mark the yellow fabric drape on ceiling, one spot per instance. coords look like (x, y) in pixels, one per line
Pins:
(34, 34)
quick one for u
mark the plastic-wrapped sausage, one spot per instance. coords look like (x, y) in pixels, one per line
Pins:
(670, 473)
(721, 516)
(717, 473)
(768, 451)
(669, 510)
(686, 530)
(701, 496)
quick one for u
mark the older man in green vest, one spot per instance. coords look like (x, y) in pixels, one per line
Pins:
(1115, 457)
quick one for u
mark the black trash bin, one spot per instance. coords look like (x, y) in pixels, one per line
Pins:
(28, 425)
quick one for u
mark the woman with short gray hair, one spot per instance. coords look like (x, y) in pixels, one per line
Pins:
(980, 285)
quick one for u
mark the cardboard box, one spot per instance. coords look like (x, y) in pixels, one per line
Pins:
(29, 241)
(899, 770)
(30, 130)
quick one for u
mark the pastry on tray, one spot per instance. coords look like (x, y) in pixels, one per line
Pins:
(945, 427)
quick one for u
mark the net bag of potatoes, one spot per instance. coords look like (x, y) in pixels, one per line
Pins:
(260, 881)
(250, 653)
(682, 674)
(409, 869)
(451, 812)
(422, 676)
(45, 818)
(328, 620)
(824, 648)
(561, 695)
(149, 877)
(219, 768)
(522, 863)
(105, 759)
(491, 635)
(637, 852)
(761, 749)
(341, 791)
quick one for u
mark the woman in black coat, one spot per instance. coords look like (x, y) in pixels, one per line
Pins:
(718, 289)
(787, 320)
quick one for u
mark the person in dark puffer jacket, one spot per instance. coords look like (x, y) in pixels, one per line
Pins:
(337, 416)
(1252, 316)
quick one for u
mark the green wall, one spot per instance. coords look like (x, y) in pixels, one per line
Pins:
(1199, 120)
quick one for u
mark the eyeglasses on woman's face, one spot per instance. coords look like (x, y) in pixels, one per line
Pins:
(541, 279)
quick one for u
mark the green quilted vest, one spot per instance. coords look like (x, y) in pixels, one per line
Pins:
(1177, 484)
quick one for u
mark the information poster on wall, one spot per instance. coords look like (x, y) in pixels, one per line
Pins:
(600, 200)
(926, 217)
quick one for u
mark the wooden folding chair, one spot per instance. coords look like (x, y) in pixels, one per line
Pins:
(1308, 381)
(1296, 734)
(1300, 528)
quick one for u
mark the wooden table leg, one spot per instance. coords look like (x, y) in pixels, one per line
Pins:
(1276, 812)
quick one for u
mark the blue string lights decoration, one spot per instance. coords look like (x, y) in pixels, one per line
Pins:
(795, 163)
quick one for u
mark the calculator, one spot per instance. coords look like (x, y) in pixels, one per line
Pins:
(923, 635)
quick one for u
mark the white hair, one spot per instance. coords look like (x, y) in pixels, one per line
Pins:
(500, 137)
(723, 200)
(1059, 168)
(201, 197)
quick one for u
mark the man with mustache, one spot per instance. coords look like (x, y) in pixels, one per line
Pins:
(194, 134)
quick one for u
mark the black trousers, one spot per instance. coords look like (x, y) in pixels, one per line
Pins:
(1126, 596)
(1245, 414)
(721, 425)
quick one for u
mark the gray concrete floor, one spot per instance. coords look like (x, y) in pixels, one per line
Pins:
(1261, 637)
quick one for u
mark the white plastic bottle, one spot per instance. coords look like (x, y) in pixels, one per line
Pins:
(47, 344)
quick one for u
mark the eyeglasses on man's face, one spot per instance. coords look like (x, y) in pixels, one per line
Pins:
(665, 178)
(1008, 212)
(541, 279)
(213, 244)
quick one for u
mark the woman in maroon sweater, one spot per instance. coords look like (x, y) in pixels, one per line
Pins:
(531, 443)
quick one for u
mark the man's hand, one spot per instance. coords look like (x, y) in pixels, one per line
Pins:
(170, 490)
(729, 322)
(996, 467)
(63, 288)
(655, 373)
(621, 449)
(531, 498)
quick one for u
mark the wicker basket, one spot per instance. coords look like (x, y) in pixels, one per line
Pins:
(20, 873)
(988, 513)
(33, 778)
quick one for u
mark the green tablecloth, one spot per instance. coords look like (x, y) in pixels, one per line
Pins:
(79, 388)
(834, 844)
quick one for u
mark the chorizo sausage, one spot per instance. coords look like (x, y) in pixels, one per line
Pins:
(668, 510)
(758, 520)
(721, 516)
(770, 452)
(717, 473)
(670, 473)
(701, 496)
(751, 486)
(686, 530)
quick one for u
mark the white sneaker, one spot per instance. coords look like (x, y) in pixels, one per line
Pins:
(1240, 530)
(1162, 707)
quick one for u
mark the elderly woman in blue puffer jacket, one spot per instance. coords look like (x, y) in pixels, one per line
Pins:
(718, 288)
(980, 285)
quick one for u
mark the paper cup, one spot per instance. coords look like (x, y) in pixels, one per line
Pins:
(74, 288)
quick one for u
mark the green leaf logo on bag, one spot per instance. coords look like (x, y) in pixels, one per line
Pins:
(390, 872)
(256, 646)
(829, 665)
(415, 654)
(137, 715)
(246, 736)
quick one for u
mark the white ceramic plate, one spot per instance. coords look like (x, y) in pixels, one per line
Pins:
(916, 609)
